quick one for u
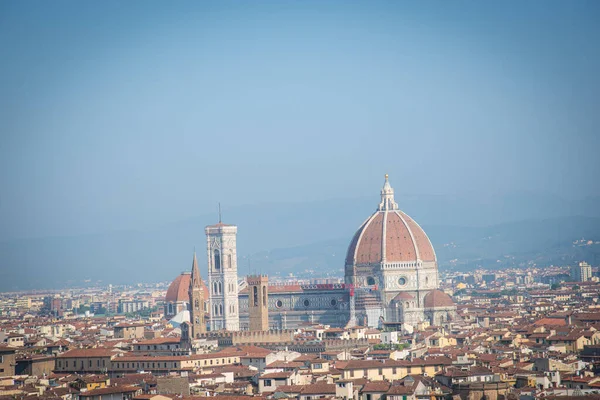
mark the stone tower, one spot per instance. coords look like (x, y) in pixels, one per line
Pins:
(197, 301)
(222, 277)
(258, 302)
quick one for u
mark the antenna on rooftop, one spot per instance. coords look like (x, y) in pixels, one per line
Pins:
(219, 212)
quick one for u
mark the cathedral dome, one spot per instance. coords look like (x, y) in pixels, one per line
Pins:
(389, 235)
(179, 289)
(437, 298)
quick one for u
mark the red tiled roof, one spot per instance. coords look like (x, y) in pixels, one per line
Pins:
(437, 298)
(550, 321)
(87, 353)
(109, 390)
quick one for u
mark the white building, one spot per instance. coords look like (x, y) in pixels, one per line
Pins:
(222, 277)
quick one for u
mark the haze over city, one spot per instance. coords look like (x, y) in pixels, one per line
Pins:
(125, 119)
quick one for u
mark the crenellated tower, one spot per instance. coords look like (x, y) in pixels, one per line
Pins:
(222, 277)
(258, 302)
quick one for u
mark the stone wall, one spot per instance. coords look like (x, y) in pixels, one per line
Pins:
(247, 337)
(480, 390)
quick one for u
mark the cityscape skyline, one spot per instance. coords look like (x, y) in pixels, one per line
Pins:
(299, 200)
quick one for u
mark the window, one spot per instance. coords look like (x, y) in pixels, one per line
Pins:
(89, 363)
(217, 259)
(255, 296)
(370, 281)
(278, 304)
(306, 303)
(402, 281)
(268, 382)
(380, 371)
(264, 296)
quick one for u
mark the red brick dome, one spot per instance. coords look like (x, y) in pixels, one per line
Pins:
(437, 298)
(179, 289)
(392, 234)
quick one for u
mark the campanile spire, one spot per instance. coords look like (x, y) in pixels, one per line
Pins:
(197, 301)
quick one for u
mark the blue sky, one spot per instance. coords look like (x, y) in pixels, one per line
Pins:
(118, 115)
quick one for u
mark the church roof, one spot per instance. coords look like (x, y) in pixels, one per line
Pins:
(178, 290)
(404, 296)
(437, 298)
(389, 235)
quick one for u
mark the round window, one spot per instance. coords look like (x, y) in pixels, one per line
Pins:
(306, 303)
(333, 302)
(278, 304)
(370, 280)
(402, 281)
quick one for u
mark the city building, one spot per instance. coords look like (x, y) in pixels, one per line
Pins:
(393, 267)
(223, 283)
(581, 272)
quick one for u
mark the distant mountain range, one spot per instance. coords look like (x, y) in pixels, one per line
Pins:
(300, 237)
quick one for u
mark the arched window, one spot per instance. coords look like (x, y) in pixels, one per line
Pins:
(217, 259)
(229, 261)
(220, 288)
(170, 308)
(255, 296)
(264, 296)
(196, 304)
(215, 287)
(220, 309)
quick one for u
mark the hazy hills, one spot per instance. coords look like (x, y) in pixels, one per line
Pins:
(294, 237)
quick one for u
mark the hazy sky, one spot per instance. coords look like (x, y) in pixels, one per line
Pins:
(120, 114)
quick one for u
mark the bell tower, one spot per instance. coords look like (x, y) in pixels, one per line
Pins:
(222, 277)
(258, 302)
(197, 302)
